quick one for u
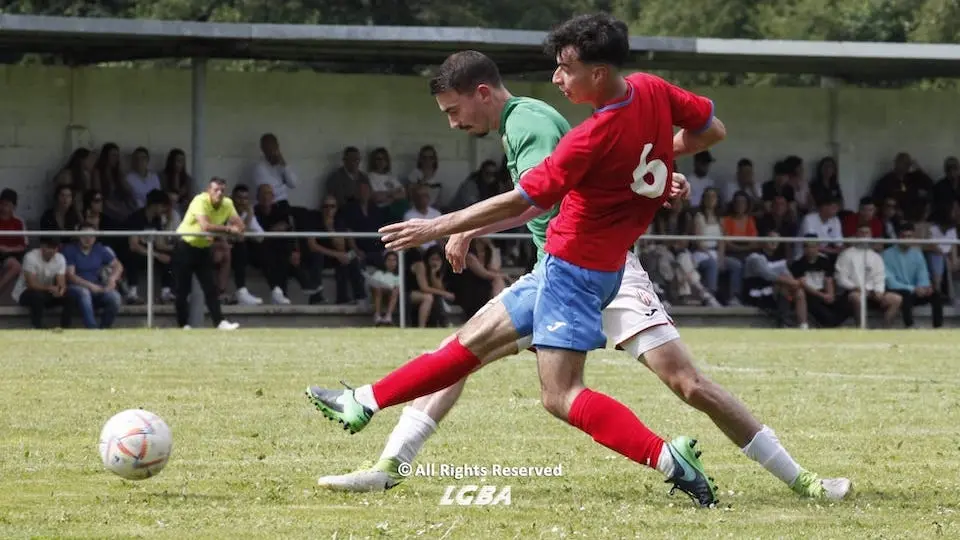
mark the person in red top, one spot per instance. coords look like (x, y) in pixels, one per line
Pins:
(12, 248)
(866, 216)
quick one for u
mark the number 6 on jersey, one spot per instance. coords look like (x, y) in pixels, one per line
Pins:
(657, 168)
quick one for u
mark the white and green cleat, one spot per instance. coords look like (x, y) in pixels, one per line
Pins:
(810, 485)
(383, 475)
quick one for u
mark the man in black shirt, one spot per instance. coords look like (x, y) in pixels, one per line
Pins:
(134, 256)
(779, 185)
(815, 271)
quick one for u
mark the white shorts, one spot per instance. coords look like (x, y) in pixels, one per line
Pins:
(634, 321)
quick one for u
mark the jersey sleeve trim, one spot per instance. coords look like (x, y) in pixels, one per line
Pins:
(709, 120)
(527, 197)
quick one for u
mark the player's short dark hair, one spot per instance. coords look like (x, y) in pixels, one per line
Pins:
(462, 72)
(597, 38)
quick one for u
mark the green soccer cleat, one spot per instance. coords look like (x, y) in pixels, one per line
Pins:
(384, 475)
(688, 473)
(810, 485)
(340, 406)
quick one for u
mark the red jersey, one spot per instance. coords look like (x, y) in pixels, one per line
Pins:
(613, 172)
(15, 242)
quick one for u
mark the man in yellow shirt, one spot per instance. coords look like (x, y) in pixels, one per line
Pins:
(209, 212)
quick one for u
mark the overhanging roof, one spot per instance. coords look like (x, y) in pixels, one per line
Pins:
(84, 40)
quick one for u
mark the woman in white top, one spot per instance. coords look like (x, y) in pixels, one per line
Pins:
(141, 180)
(426, 173)
(385, 186)
(942, 260)
(709, 255)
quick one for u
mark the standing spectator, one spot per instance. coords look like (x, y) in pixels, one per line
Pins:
(772, 288)
(362, 215)
(240, 256)
(710, 257)
(860, 267)
(93, 273)
(134, 256)
(866, 215)
(141, 180)
(815, 271)
(385, 285)
(825, 185)
(425, 174)
(209, 212)
(12, 248)
(175, 177)
(43, 283)
(422, 209)
(385, 186)
(342, 183)
(273, 171)
(826, 225)
(340, 253)
(908, 277)
(63, 216)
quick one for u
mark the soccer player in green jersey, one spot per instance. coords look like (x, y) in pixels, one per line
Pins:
(470, 92)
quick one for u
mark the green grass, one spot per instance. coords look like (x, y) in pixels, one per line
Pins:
(879, 407)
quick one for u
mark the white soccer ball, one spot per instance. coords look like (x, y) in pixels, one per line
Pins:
(135, 444)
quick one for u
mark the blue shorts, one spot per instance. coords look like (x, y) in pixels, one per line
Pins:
(519, 300)
(570, 299)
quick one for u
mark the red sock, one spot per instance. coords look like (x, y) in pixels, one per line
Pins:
(613, 425)
(425, 374)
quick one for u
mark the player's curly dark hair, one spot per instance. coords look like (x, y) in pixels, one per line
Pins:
(463, 71)
(598, 39)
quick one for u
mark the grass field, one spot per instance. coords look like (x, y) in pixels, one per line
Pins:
(882, 408)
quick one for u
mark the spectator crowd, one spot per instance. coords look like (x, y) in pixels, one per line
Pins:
(817, 283)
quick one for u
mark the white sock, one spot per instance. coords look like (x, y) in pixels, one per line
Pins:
(407, 438)
(766, 450)
(364, 396)
(665, 463)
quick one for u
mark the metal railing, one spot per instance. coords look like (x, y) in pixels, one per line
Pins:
(151, 235)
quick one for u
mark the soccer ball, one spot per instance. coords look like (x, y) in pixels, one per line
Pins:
(135, 444)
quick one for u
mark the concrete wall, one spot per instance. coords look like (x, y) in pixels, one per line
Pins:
(45, 112)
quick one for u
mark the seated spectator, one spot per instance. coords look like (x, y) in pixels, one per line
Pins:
(772, 288)
(43, 283)
(907, 276)
(739, 222)
(942, 259)
(481, 279)
(673, 268)
(425, 174)
(425, 286)
(92, 276)
(340, 253)
(141, 180)
(779, 185)
(279, 257)
(890, 217)
(948, 188)
(274, 171)
(77, 174)
(815, 271)
(385, 289)
(710, 255)
(421, 209)
(175, 178)
(63, 216)
(907, 184)
(342, 183)
(825, 224)
(12, 248)
(746, 184)
(858, 268)
(866, 215)
(700, 179)
(242, 248)
(481, 184)
(386, 189)
(796, 177)
(362, 215)
(134, 256)
(825, 185)
(779, 220)
(108, 178)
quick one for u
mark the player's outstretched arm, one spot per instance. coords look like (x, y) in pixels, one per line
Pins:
(415, 232)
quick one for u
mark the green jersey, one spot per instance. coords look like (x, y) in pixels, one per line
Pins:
(530, 130)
